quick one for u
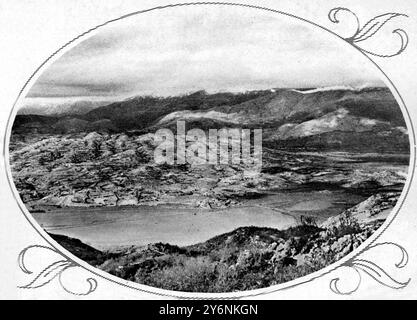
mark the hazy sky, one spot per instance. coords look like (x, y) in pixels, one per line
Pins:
(180, 50)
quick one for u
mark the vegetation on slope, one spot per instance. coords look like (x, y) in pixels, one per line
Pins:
(246, 258)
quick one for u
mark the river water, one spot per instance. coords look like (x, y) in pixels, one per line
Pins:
(112, 227)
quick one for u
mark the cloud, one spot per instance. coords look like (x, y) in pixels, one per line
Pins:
(179, 50)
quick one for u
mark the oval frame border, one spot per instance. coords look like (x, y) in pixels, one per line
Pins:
(227, 295)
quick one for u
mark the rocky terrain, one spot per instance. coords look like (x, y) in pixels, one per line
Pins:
(118, 169)
(246, 258)
(353, 141)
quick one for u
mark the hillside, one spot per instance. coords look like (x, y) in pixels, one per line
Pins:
(317, 119)
(60, 107)
(105, 157)
(118, 169)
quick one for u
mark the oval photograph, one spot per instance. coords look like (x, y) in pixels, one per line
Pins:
(209, 149)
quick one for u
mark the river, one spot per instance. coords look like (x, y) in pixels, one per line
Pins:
(112, 227)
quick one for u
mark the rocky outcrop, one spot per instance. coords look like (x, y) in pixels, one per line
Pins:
(376, 207)
(96, 169)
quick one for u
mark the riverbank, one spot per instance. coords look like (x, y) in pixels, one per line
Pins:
(246, 258)
(179, 224)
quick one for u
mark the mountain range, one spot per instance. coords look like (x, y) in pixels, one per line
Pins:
(340, 118)
(61, 106)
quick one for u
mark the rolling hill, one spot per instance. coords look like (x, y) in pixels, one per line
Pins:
(322, 118)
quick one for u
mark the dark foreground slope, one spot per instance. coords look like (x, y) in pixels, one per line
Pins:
(246, 258)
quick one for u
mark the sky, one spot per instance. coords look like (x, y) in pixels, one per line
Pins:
(185, 49)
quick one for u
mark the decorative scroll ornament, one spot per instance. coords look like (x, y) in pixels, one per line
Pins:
(370, 29)
(373, 270)
(52, 271)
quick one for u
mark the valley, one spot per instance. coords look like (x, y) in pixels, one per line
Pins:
(334, 164)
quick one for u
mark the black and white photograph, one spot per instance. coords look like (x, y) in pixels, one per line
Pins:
(210, 149)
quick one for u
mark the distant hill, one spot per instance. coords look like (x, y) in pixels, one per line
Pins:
(142, 112)
(26, 124)
(59, 107)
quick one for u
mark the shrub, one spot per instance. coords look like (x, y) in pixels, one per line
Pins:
(96, 149)
(308, 221)
(348, 225)
(302, 230)
(142, 156)
(291, 272)
(187, 274)
(49, 157)
(111, 146)
(79, 157)
(91, 153)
